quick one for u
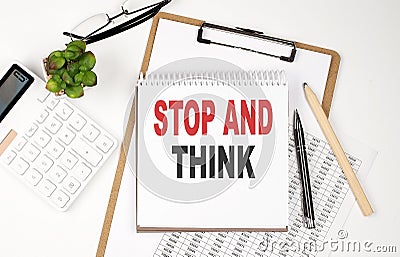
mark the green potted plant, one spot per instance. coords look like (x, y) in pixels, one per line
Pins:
(70, 71)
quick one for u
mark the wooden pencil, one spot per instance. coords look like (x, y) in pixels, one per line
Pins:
(337, 149)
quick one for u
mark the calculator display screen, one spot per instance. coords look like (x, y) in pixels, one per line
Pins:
(12, 86)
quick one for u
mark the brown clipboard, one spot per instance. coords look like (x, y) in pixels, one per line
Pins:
(326, 104)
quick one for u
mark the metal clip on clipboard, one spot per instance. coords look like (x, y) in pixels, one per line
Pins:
(287, 55)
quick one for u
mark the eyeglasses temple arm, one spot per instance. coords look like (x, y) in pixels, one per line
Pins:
(122, 27)
(162, 3)
(116, 30)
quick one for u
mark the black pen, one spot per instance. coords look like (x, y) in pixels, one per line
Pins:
(306, 202)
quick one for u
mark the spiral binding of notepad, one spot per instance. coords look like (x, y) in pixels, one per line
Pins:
(217, 78)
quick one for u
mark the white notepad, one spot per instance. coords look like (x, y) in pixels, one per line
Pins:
(212, 151)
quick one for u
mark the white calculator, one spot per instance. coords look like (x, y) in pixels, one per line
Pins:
(46, 141)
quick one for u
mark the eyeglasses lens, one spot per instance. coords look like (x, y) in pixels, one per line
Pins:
(90, 25)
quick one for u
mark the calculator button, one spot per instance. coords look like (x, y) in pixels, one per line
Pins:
(20, 143)
(42, 116)
(52, 103)
(8, 157)
(55, 149)
(71, 185)
(41, 138)
(46, 187)
(58, 174)
(33, 176)
(32, 129)
(66, 136)
(60, 198)
(44, 163)
(31, 152)
(86, 152)
(53, 125)
(20, 166)
(82, 171)
(68, 160)
(43, 96)
(77, 122)
(104, 143)
(64, 111)
(90, 133)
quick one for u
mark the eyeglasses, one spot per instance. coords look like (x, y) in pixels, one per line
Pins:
(91, 29)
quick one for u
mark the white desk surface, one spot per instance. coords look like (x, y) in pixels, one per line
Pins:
(365, 33)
